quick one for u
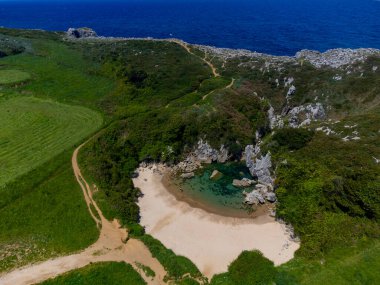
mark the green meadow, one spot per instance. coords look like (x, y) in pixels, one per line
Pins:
(33, 130)
(13, 76)
(99, 274)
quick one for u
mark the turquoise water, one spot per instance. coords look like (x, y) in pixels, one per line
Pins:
(220, 195)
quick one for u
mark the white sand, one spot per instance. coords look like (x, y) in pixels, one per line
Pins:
(212, 242)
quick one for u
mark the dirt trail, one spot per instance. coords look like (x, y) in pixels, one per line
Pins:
(110, 246)
(227, 87)
(186, 47)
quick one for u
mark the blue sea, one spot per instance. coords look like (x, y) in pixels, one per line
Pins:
(279, 27)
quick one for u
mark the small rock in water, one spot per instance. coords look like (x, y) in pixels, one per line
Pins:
(187, 175)
(216, 175)
(245, 182)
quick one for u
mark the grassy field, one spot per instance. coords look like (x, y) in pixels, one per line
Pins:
(99, 274)
(33, 130)
(43, 214)
(42, 210)
(13, 76)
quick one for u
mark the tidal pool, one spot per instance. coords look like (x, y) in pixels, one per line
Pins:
(217, 196)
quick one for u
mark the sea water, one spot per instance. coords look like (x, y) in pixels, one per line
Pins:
(279, 27)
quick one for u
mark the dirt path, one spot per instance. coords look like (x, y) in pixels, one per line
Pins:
(227, 87)
(110, 246)
(186, 47)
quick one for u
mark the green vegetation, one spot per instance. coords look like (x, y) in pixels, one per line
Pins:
(99, 274)
(13, 76)
(43, 214)
(250, 268)
(32, 131)
(176, 266)
(291, 138)
(150, 94)
(147, 270)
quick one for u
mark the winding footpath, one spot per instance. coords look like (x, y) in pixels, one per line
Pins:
(111, 246)
(186, 47)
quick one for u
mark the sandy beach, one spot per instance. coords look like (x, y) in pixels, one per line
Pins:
(211, 241)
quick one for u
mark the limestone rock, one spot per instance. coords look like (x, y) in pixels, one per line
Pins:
(245, 182)
(310, 112)
(271, 197)
(260, 167)
(336, 58)
(216, 175)
(187, 175)
(253, 198)
(77, 33)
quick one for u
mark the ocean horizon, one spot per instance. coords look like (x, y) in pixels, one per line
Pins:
(274, 26)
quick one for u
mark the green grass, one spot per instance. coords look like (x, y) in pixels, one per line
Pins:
(351, 265)
(176, 266)
(43, 214)
(34, 130)
(107, 273)
(250, 268)
(60, 73)
(13, 76)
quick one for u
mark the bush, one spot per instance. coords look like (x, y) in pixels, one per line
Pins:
(293, 139)
(252, 268)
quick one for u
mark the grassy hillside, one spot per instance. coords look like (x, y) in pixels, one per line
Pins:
(32, 131)
(43, 214)
(157, 101)
(99, 274)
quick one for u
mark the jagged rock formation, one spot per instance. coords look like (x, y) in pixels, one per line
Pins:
(78, 33)
(275, 121)
(260, 167)
(304, 114)
(203, 153)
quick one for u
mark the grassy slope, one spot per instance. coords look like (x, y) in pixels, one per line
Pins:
(32, 131)
(43, 214)
(99, 274)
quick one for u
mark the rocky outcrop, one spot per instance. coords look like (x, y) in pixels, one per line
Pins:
(206, 154)
(336, 58)
(259, 166)
(303, 115)
(203, 153)
(187, 175)
(78, 33)
(275, 121)
(254, 198)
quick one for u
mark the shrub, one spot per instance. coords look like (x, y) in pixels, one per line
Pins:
(293, 139)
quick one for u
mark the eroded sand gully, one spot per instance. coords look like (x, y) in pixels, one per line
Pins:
(110, 246)
(211, 241)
